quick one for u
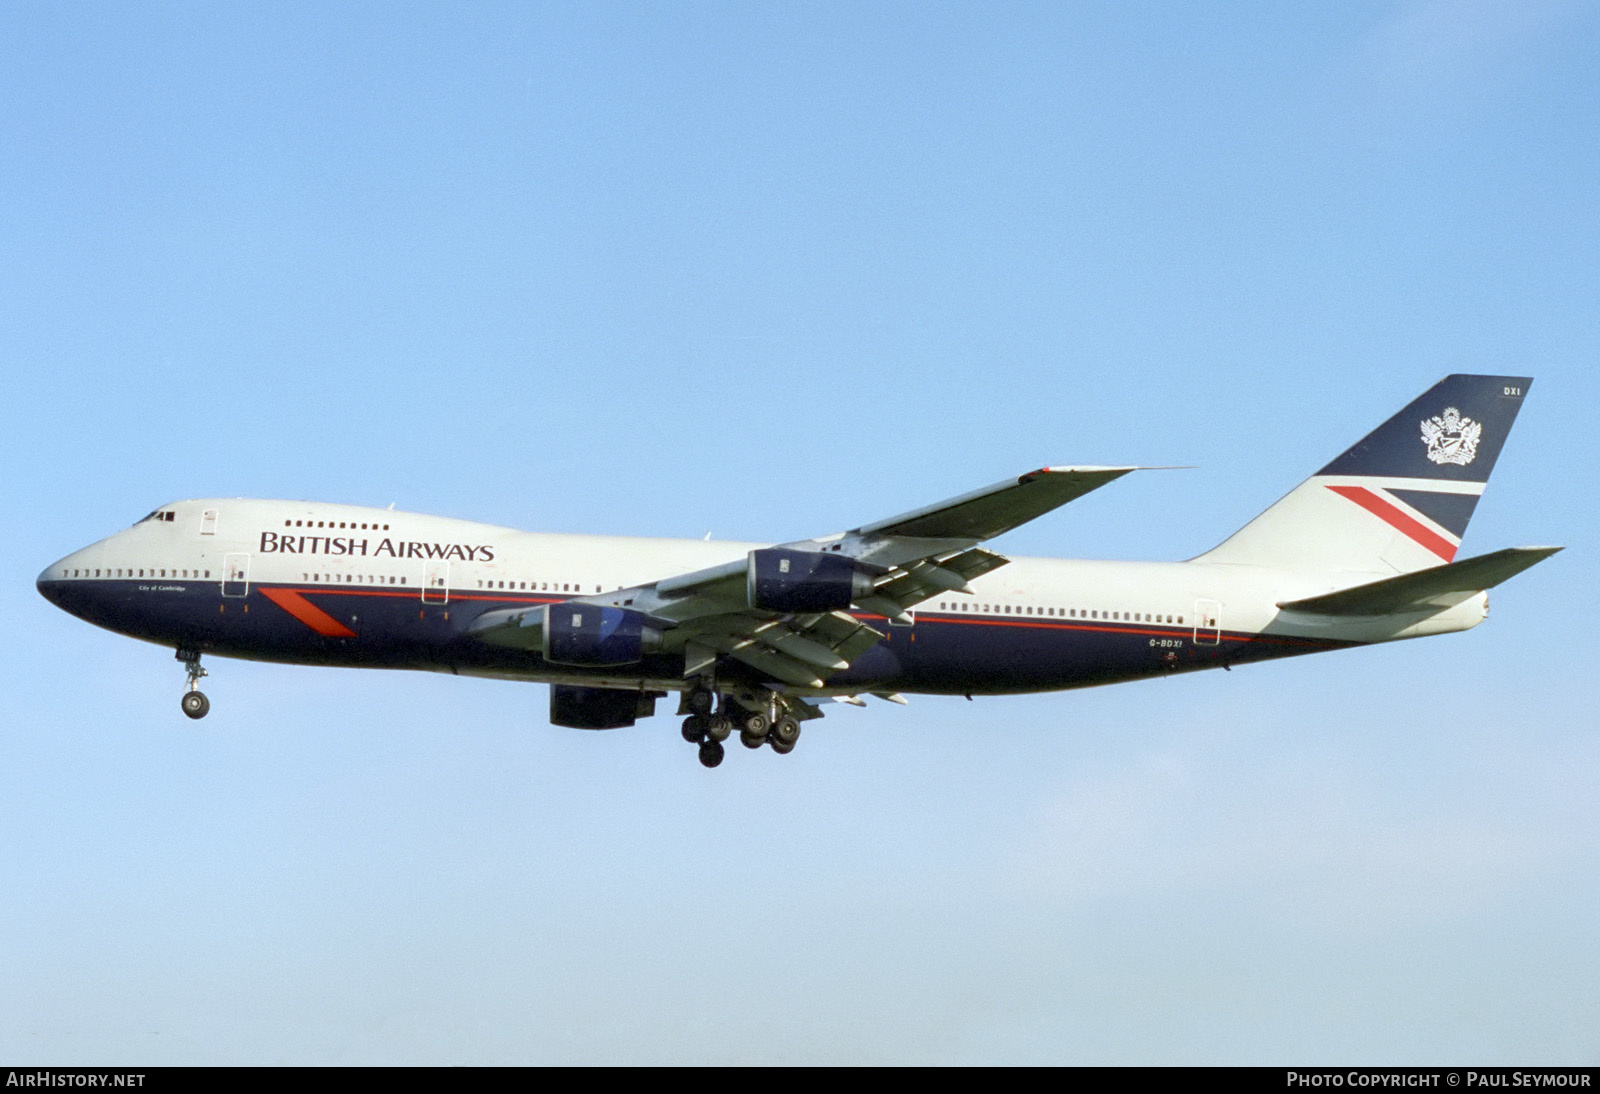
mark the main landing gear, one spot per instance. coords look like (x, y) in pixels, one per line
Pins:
(775, 726)
(195, 703)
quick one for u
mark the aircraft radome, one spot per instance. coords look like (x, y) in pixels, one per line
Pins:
(754, 637)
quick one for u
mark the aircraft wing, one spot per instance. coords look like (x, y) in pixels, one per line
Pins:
(786, 611)
(984, 514)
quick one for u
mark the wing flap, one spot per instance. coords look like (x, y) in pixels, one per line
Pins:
(841, 632)
(918, 582)
(764, 658)
(1438, 587)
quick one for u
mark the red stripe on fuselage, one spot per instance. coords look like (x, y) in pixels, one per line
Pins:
(1152, 631)
(1392, 516)
(307, 612)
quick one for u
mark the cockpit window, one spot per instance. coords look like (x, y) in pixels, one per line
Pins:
(159, 514)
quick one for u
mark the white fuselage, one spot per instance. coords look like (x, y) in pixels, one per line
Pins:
(237, 546)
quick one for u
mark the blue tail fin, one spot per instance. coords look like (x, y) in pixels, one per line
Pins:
(1453, 431)
(1399, 499)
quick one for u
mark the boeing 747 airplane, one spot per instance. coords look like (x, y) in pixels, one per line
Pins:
(753, 637)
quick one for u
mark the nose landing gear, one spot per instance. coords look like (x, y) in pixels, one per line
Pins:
(195, 704)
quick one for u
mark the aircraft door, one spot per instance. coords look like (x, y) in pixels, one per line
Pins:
(236, 574)
(1207, 622)
(436, 581)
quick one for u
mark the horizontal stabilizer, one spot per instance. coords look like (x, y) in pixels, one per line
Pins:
(1439, 587)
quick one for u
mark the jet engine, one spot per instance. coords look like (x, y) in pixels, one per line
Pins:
(591, 635)
(599, 708)
(784, 580)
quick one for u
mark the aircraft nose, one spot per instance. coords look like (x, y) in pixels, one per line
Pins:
(50, 582)
(55, 582)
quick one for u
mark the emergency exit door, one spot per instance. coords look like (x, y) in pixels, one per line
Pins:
(436, 581)
(236, 574)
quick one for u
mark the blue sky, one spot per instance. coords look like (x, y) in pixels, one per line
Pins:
(769, 272)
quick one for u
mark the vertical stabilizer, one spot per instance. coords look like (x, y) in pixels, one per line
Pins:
(1398, 500)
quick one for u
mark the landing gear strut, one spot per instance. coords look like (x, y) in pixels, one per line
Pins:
(195, 704)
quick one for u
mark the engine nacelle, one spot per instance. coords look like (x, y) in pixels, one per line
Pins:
(591, 635)
(784, 580)
(599, 708)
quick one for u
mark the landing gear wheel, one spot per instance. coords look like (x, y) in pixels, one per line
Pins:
(719, 728)
(749, 741)
(785, 732)
(711, 753)
(779, 747)
(195, 705)
(755, 725)
(694, 729)
(701, 700)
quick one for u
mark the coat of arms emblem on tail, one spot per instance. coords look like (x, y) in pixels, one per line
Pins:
(1451, 438)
